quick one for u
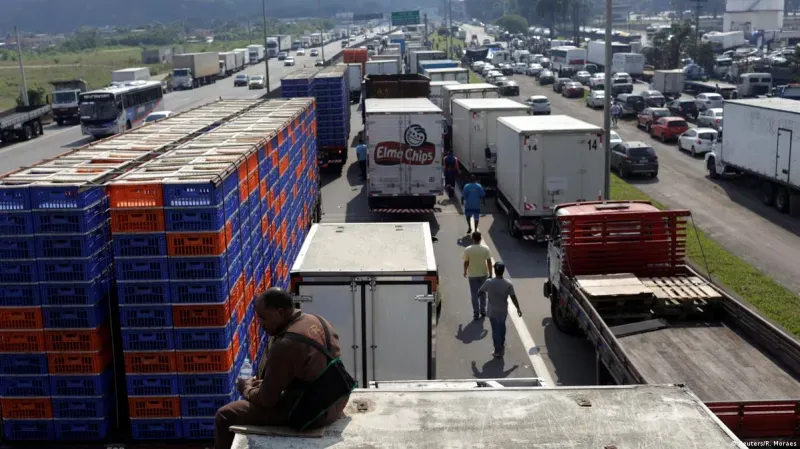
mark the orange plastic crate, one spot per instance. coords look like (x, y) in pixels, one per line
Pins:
(161, 407)
(135, 195)
(274, 157)
(262, 286)
(252, 181)
(77, 340)
(27, 408)
(201, 315)
(20, 318)
(196, 244)
(250, 291)
(230, 231)
(208, 361)
(243, 191)
(252, 162)
(78, 362)
(240, 308)
(264, 225)
(22, 341)
(262, 189)
(150, 362)
(237, 292)
(139, 220)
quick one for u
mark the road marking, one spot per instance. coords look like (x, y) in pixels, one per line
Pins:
(16, 146)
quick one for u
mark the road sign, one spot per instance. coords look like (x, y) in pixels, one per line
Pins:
(401, 18)
(365, 17)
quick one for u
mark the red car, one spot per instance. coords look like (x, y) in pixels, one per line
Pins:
(572, 90)
(668, 128)
(649, 115)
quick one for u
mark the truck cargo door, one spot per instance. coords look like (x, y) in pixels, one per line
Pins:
(784, 154)
(422, 160)
(385, 154)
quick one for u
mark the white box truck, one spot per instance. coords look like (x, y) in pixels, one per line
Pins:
(255, 53)
(630, 63)
(596, 52)
(194, 70)
(450, 74)
(404, 161)
(415, 57)
(227, 64)
(668, 82)
(385, 67)
(761, 139)
(376, 283)
(241, 58)
(454, 92)
(436, 91)
(544, 161)
(354, 80)
(132, 74)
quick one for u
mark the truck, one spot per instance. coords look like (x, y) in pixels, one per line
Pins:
(277, 44)
(241, 58)
(131, 74)
(415, 57)
(722, 41)
(357, 55)
(394, 86)
(477, 90)
(362, 293)
(255, 53)
(383, 67)
(630, 63)
(65, 100)
(668, 82)
(404, 144)
(475, 138)
(438, 64)
(296, 44)
(596, 52)
(354, 79)
(227, 64)
(436, 92)
(542, 162)
(194, 70)
(423, 415)
(768, 154)
(24, 122)
(450, 74)
(305, 41)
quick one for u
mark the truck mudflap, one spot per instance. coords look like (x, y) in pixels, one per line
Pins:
(534, 229)
(759, 419)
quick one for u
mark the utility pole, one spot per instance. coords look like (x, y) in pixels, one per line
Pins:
(266, 55)
(321, 36)
(25, 101)
(607, 104)
(697, 8)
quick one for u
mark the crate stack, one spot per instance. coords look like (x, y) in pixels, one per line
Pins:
(299, 84)
(333, 109)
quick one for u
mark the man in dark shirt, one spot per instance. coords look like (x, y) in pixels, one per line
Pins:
(267, 401)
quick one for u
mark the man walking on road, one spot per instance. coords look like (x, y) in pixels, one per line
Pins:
(361, 153)
(477, 268)
(498, 289)
(616, 111)
(472, 196)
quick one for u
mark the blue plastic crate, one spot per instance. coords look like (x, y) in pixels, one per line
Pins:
(156, 429)
(255, 218)
(207, 383)
(15, 223)
(77, 407)
(204, 406)
(19, 271)
(65, 197)
(83, 385)
(74, 270)
(145, 315)
(82, 429)
(23, 364)
(191, 268)
(198, 428)
(195, 219)
(76, 293)
(15, 198)
(152, 384)
(28, 430)
(234, 248)
(199, 194)
(76, 221)
(24, 386)
(72, 245)
(212, 291)
(17, 247)
(140, 245)
(141, 269)
(196, 339)
(231, 205)
(19, 295)
(148, 339)
(75, 317)
(143, 292)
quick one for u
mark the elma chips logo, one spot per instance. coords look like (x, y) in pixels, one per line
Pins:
(416, 150)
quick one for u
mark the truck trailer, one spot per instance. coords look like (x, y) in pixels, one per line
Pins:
(436, 64)
(415, 57)
(23, 122)
(241, 56)
(65, 100)
(131, 74)
(596, 52)
(227, 64)
(277, 44)
(630, 63)
(383, 67)
(668, 82)
(255, 53)
(355, 77)
(449, 74)
(759, 141)
(436, 91)
(194, 70)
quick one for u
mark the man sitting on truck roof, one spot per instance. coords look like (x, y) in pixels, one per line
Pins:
(300, 382)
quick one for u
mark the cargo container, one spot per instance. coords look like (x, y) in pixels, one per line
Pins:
(387, 67)
(596, 51)
(133, 74)
(474, 129)
(394, 86)
(454, 92)
(436, 64)
(404, 162)
(255, 53)
(436, 91)
(362, 293)
(722, 41)
(451, 74)
(668, 82)
(192, 70)
(359, 55)
(241, 55)
(415, 57)
(544, 161)
(630, 63)
(333, 116)
(765, 153)
(355, 78)
(277, 44)
(227, 64)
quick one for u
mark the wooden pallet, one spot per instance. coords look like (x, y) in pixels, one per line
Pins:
(678, 290)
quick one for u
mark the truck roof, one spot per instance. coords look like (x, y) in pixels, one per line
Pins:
(550, 124)
(468, 87)
(362, 248)
(775, 104)
(399, 105)
(132, 69)
(444, 83)
(485, 104)
(604, 207)
(447, 70)
(662, 416)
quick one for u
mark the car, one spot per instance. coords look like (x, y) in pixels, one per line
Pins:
(621, 85)
(498, 79)
(646, 118)
(493, 74)
(598, 81)
(614, 139)
(534, 69)
(591, 68)
(508, 88)
(289, 61)
(596, 99)
(319, 63)
(634, 158)
(487, 42)
(653, 98)
(256, 82)
(158, 115)
(708, 101)
(545, 62)
(520, 68)
(683, 108)
(668, 128)
(300, 52)
(283, 55)
(241, 80)
(507, 69)
(558, 84)
(352, 38)
(631, 104)
(698, 140)
(572, 89)
(539, 104)
(582, 77)
(344, 43)
(314, 52)
(546, 77)
(711, 118)
(488, 68)
(477, 66)
(537, 57)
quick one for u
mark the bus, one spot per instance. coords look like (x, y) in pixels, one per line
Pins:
(124, 106)
(567, 57)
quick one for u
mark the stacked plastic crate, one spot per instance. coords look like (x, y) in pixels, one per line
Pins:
(299, 84)
(333, 113)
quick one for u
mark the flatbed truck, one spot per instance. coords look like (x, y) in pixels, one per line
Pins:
(23, 122)
(618, 277)
(695, 87)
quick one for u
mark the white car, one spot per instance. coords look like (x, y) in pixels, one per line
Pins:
(158, 115)
(256, 82)
(539, 104)
(708, 101)
(596, 99)
(535, 69)
(520, 68)
(697, 140)
(537, 58)
(315, 52)
(478, 65)
(614, 140)
(486, 69)
(289, 61)
(301, 52)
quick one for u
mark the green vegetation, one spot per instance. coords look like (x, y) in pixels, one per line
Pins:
(513, 23)
(670, 45)
(773, 300)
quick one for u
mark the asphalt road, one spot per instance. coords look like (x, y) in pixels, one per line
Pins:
(729, 211)
(57, 140)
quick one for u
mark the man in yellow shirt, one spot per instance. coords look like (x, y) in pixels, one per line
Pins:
(477, 268)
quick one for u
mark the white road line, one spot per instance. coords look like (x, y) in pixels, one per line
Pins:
(43, 137)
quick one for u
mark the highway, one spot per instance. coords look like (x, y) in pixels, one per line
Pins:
(57, 140)
(729, 211)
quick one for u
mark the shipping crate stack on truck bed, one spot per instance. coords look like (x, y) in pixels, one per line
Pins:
(333, 116)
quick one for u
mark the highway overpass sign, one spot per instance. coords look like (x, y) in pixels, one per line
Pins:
(402, 18)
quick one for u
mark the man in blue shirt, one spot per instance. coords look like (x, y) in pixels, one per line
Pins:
(361, 152)
(472, 196)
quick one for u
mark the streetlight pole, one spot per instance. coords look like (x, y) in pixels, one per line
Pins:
(25, 100)
(449, 26)
(607, 104)
(321, 36)
(266, 55)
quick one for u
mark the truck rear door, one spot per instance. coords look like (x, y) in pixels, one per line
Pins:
(385, 154)
(422, 158)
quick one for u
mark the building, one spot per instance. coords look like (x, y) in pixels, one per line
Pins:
(620, 11)
(160, 55)
(753, 15)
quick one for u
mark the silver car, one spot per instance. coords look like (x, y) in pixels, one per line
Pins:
(583, 77)
(596, 99)
(711, 118)
(539, 104)
(535, 69)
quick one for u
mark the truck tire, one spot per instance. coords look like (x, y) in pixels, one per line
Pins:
(563, 321)
(37, 128)
(782, 199)
(768, 193)
(27, 132)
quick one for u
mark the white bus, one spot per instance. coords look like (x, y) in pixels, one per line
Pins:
(567, 57)
(108, 111)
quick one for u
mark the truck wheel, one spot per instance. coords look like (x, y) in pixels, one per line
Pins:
(782, 199)
(693, 152)
(563, 321)
(712, 168)
(513, 230)
(27, 132)
(768, 193)
(37, 129)
(128, 126)
(60, 122)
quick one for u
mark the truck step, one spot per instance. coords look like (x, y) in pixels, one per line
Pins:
(402, 211)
